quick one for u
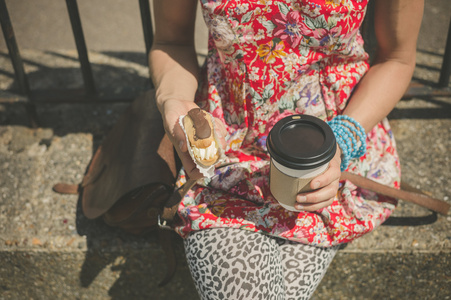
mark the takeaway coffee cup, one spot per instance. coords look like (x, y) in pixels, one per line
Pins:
(301, 147)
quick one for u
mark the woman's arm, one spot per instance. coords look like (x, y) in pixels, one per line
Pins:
(174, 71)
(397, 23)
(172, 59)
(174, 68)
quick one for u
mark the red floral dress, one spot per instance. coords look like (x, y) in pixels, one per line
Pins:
(269, 59)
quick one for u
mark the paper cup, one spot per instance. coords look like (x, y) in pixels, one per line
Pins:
(301, 147)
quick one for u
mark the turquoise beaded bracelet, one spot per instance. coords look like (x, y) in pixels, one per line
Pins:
(345, 130)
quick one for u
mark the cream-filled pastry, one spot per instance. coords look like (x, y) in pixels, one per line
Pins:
(199, 129)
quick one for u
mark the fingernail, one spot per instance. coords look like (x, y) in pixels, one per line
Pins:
(181, 143)
(299, 207)
(302, 198)
(315, 185)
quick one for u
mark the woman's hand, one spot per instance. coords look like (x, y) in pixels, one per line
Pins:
(172, 110)
(325, 187)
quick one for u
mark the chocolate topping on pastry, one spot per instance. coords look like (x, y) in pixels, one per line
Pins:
(198, 126)
(200, 123)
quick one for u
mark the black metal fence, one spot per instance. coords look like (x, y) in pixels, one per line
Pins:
(89, 93)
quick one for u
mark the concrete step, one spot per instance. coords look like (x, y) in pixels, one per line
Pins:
(132, 272)
(114, 270)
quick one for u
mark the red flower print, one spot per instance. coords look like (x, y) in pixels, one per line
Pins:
(288, 27)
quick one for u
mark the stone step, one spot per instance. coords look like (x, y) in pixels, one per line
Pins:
(134, 270)
(131, 270)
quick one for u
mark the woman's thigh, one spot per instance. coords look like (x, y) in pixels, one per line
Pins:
(304, 267)
(234, 264)
(230, 263)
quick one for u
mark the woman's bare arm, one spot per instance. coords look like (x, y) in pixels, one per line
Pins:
(397, 23)
(172, 59)
(174, 71)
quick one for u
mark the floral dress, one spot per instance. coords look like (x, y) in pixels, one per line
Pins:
(269, 59)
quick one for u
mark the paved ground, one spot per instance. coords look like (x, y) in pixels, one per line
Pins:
(48, 250)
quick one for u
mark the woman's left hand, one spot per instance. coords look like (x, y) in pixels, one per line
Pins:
(325, 187)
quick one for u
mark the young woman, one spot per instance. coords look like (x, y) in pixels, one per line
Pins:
(269, 59)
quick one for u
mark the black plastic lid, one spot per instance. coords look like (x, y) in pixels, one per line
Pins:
(301, 142)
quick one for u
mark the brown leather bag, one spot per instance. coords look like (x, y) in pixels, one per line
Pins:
(135, 153)
(131, 175)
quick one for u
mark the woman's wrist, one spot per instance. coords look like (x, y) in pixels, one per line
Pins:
(163, 103)
(351, 138)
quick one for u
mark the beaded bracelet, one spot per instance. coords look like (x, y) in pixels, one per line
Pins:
(345, 130)
(360, 133)
(350, 129)
(342, 138)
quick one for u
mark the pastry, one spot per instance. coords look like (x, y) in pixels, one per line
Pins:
(199, 129)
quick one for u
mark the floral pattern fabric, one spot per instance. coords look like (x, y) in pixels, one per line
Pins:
(269, 59)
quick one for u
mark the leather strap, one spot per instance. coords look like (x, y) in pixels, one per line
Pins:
(66, 188)
(418, 198)
(165, 241)
(165, 221)
(170, 208)
(421, 199)
(407, 193)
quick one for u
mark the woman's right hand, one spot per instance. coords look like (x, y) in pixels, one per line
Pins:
(171, 111)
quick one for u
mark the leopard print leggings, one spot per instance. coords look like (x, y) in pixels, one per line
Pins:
(237, 264)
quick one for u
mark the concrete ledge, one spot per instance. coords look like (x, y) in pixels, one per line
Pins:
(129, 273)
(133, 274)
(387, 275)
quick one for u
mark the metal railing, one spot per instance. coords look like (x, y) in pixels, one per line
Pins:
(89, 93)
(421, 90)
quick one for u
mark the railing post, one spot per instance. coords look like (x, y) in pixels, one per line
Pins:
(146, 19)
(13, 49)
(77, 29)
(17, 62)
(445, 71)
